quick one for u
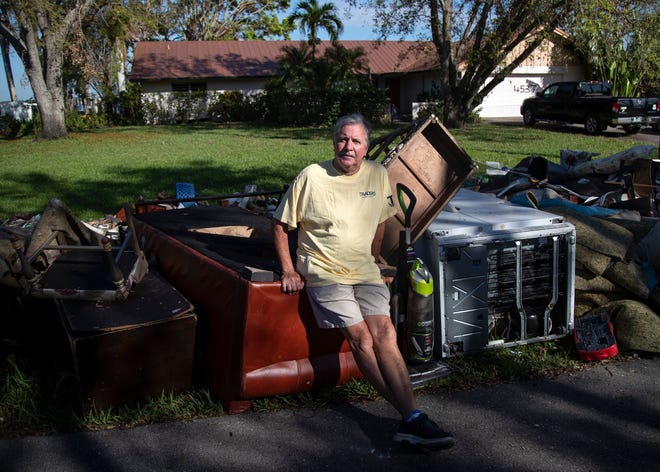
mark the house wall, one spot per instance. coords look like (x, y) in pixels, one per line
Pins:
(168, 107)
(160, 105)
(413, 85)
(217, 84)
(20, 110)
(505, 99)
(410, 86)
(551, 62)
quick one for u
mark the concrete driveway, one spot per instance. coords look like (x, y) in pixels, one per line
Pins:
(646, 134)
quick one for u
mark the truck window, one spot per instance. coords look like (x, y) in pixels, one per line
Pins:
(550, 91)
(600, 88)
(565, 91)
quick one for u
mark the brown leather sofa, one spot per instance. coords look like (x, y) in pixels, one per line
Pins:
(253, 340)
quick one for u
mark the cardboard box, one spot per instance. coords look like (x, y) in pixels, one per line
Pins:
(429, 162)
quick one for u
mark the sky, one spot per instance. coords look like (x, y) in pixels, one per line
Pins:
(358, 24)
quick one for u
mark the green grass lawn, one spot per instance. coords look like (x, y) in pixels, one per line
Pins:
(95, 172)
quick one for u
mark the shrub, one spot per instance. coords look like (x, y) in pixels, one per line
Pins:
(474, 117)
(176, 107)
(9, 126)
(317, 107)
(225, 106)
(126, 108)
(235, 106)
(12, 128)
(430, 108)
(76, 121)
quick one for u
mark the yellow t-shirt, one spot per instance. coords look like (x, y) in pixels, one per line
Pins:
(337, 216)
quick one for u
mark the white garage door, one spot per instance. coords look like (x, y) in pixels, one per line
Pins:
(505, 99)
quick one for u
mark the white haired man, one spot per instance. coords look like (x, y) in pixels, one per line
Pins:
(340, 207)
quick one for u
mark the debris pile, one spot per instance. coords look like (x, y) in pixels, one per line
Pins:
(628, 180)
(613, 204)
(251, 198)
(55, 255)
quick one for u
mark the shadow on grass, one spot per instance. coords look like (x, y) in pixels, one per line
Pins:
(263, 130)
(105, 195)
(96, 195)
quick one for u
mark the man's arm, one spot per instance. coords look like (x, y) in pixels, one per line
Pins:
(378, 241)
(292, 282)
(386, 271)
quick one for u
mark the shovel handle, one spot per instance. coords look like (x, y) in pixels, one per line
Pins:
(401, 189)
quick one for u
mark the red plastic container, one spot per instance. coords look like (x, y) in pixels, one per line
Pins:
(594, 337)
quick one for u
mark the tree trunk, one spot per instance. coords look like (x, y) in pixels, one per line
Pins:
(49, 96)
(4, 44)
(456, 111)
(52, 118)
(119, 59)
(456, 118)
(39, 36)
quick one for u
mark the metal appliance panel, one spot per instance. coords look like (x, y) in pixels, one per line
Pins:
(504, 273)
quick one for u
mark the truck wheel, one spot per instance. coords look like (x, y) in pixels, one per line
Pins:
(592, 125)
(631, 129)
(528, 116)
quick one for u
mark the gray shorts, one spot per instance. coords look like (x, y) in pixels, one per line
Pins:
(339, 305)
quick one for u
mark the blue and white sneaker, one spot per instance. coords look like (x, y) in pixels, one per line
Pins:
(422, 431)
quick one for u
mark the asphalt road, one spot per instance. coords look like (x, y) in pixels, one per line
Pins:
(604, 418)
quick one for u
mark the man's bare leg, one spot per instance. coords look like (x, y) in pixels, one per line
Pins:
(377, 354)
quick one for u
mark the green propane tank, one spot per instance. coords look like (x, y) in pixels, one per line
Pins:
(419, 314)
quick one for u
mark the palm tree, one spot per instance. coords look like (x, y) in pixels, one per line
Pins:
(312, 17)
(296, 64)
(347, 62)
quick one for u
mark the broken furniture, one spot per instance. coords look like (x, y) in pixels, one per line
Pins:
(63, 258)
(640, 181)
(130, 334)
(126, 352)
(428, 161)
(255, 340)
(628, 180)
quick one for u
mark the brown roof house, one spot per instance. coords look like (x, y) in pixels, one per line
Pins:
(404, 68)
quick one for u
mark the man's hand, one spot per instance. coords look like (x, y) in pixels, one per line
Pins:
(292, 282)
(387, 272)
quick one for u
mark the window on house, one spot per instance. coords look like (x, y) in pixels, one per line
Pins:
(188, 86)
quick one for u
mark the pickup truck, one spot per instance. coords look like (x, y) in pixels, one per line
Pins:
(653, 113)
(589, 103)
